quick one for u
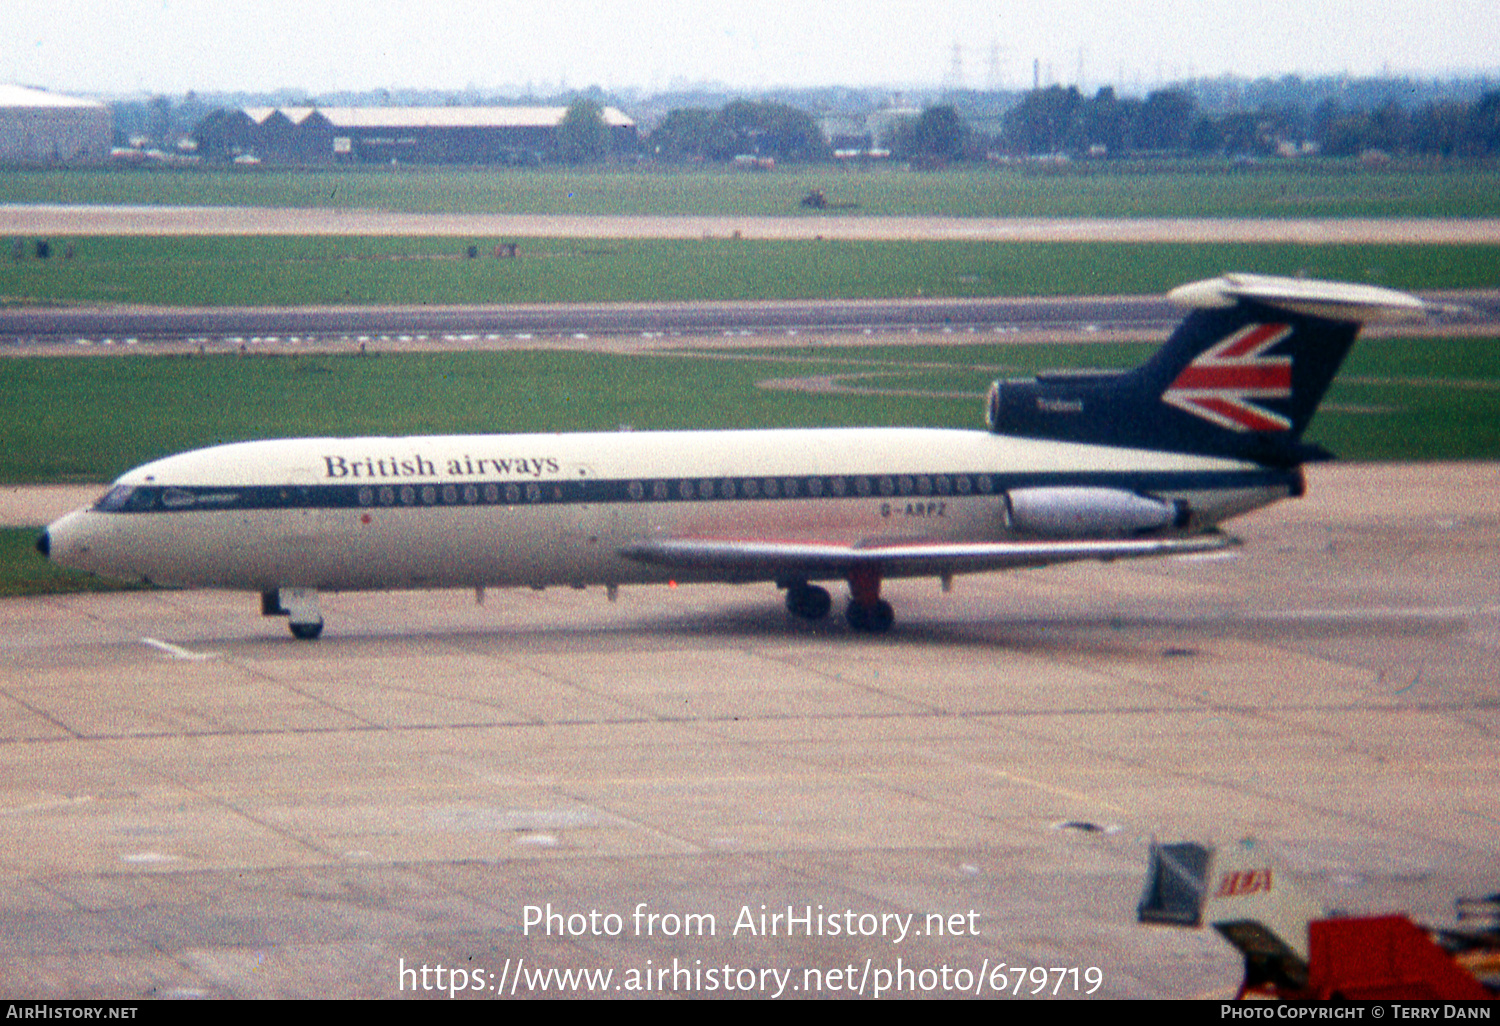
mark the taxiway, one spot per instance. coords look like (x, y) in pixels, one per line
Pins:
(125, 219)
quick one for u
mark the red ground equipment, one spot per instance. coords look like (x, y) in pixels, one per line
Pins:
(1294, 952)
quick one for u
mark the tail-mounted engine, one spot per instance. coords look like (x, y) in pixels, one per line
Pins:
(1091, 513)
(1048, 405)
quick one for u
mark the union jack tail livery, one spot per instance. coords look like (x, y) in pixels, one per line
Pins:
(1231, 382)
(1241, 376)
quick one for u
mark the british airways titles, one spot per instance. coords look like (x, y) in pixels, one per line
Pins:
(369, 467)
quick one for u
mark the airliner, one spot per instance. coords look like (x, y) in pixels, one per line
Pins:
(1094, 466)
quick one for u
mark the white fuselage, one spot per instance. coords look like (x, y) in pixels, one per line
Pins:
(515, 510)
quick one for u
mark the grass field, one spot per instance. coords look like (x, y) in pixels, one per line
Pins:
(236, 271)
(91, 419)
(1273, 189)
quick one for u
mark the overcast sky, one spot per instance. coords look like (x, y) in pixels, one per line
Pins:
(114, 47)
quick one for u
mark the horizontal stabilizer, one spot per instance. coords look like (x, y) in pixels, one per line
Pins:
(1330, 300)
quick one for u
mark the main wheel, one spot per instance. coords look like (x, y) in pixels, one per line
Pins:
(876, 619)
(808, 601)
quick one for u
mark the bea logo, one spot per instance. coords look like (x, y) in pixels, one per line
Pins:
(1244, 882)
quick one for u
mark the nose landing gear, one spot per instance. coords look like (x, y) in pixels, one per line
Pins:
(299, 606)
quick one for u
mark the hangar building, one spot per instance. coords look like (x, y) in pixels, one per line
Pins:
(38, 127)
(403, 135)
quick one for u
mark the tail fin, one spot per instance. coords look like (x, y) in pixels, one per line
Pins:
(1241, 376)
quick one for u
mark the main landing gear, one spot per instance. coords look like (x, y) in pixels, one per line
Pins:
(867, 611)
(808, 601)
(299, 606)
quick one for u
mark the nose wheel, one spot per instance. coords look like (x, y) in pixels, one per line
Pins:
(306, 631)
(299, 606)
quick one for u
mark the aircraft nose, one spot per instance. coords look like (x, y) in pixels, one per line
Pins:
(44, 544)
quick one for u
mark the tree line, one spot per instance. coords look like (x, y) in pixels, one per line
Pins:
(1056, 120)
(1062, 121)
(1169, 121)
(740, 128)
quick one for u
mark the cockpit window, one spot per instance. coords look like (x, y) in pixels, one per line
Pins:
(125, 498)
(115, 499)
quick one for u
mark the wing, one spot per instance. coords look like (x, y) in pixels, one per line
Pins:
(753, 559)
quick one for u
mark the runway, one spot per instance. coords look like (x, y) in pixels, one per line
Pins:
(192, 804)
(94, 331)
